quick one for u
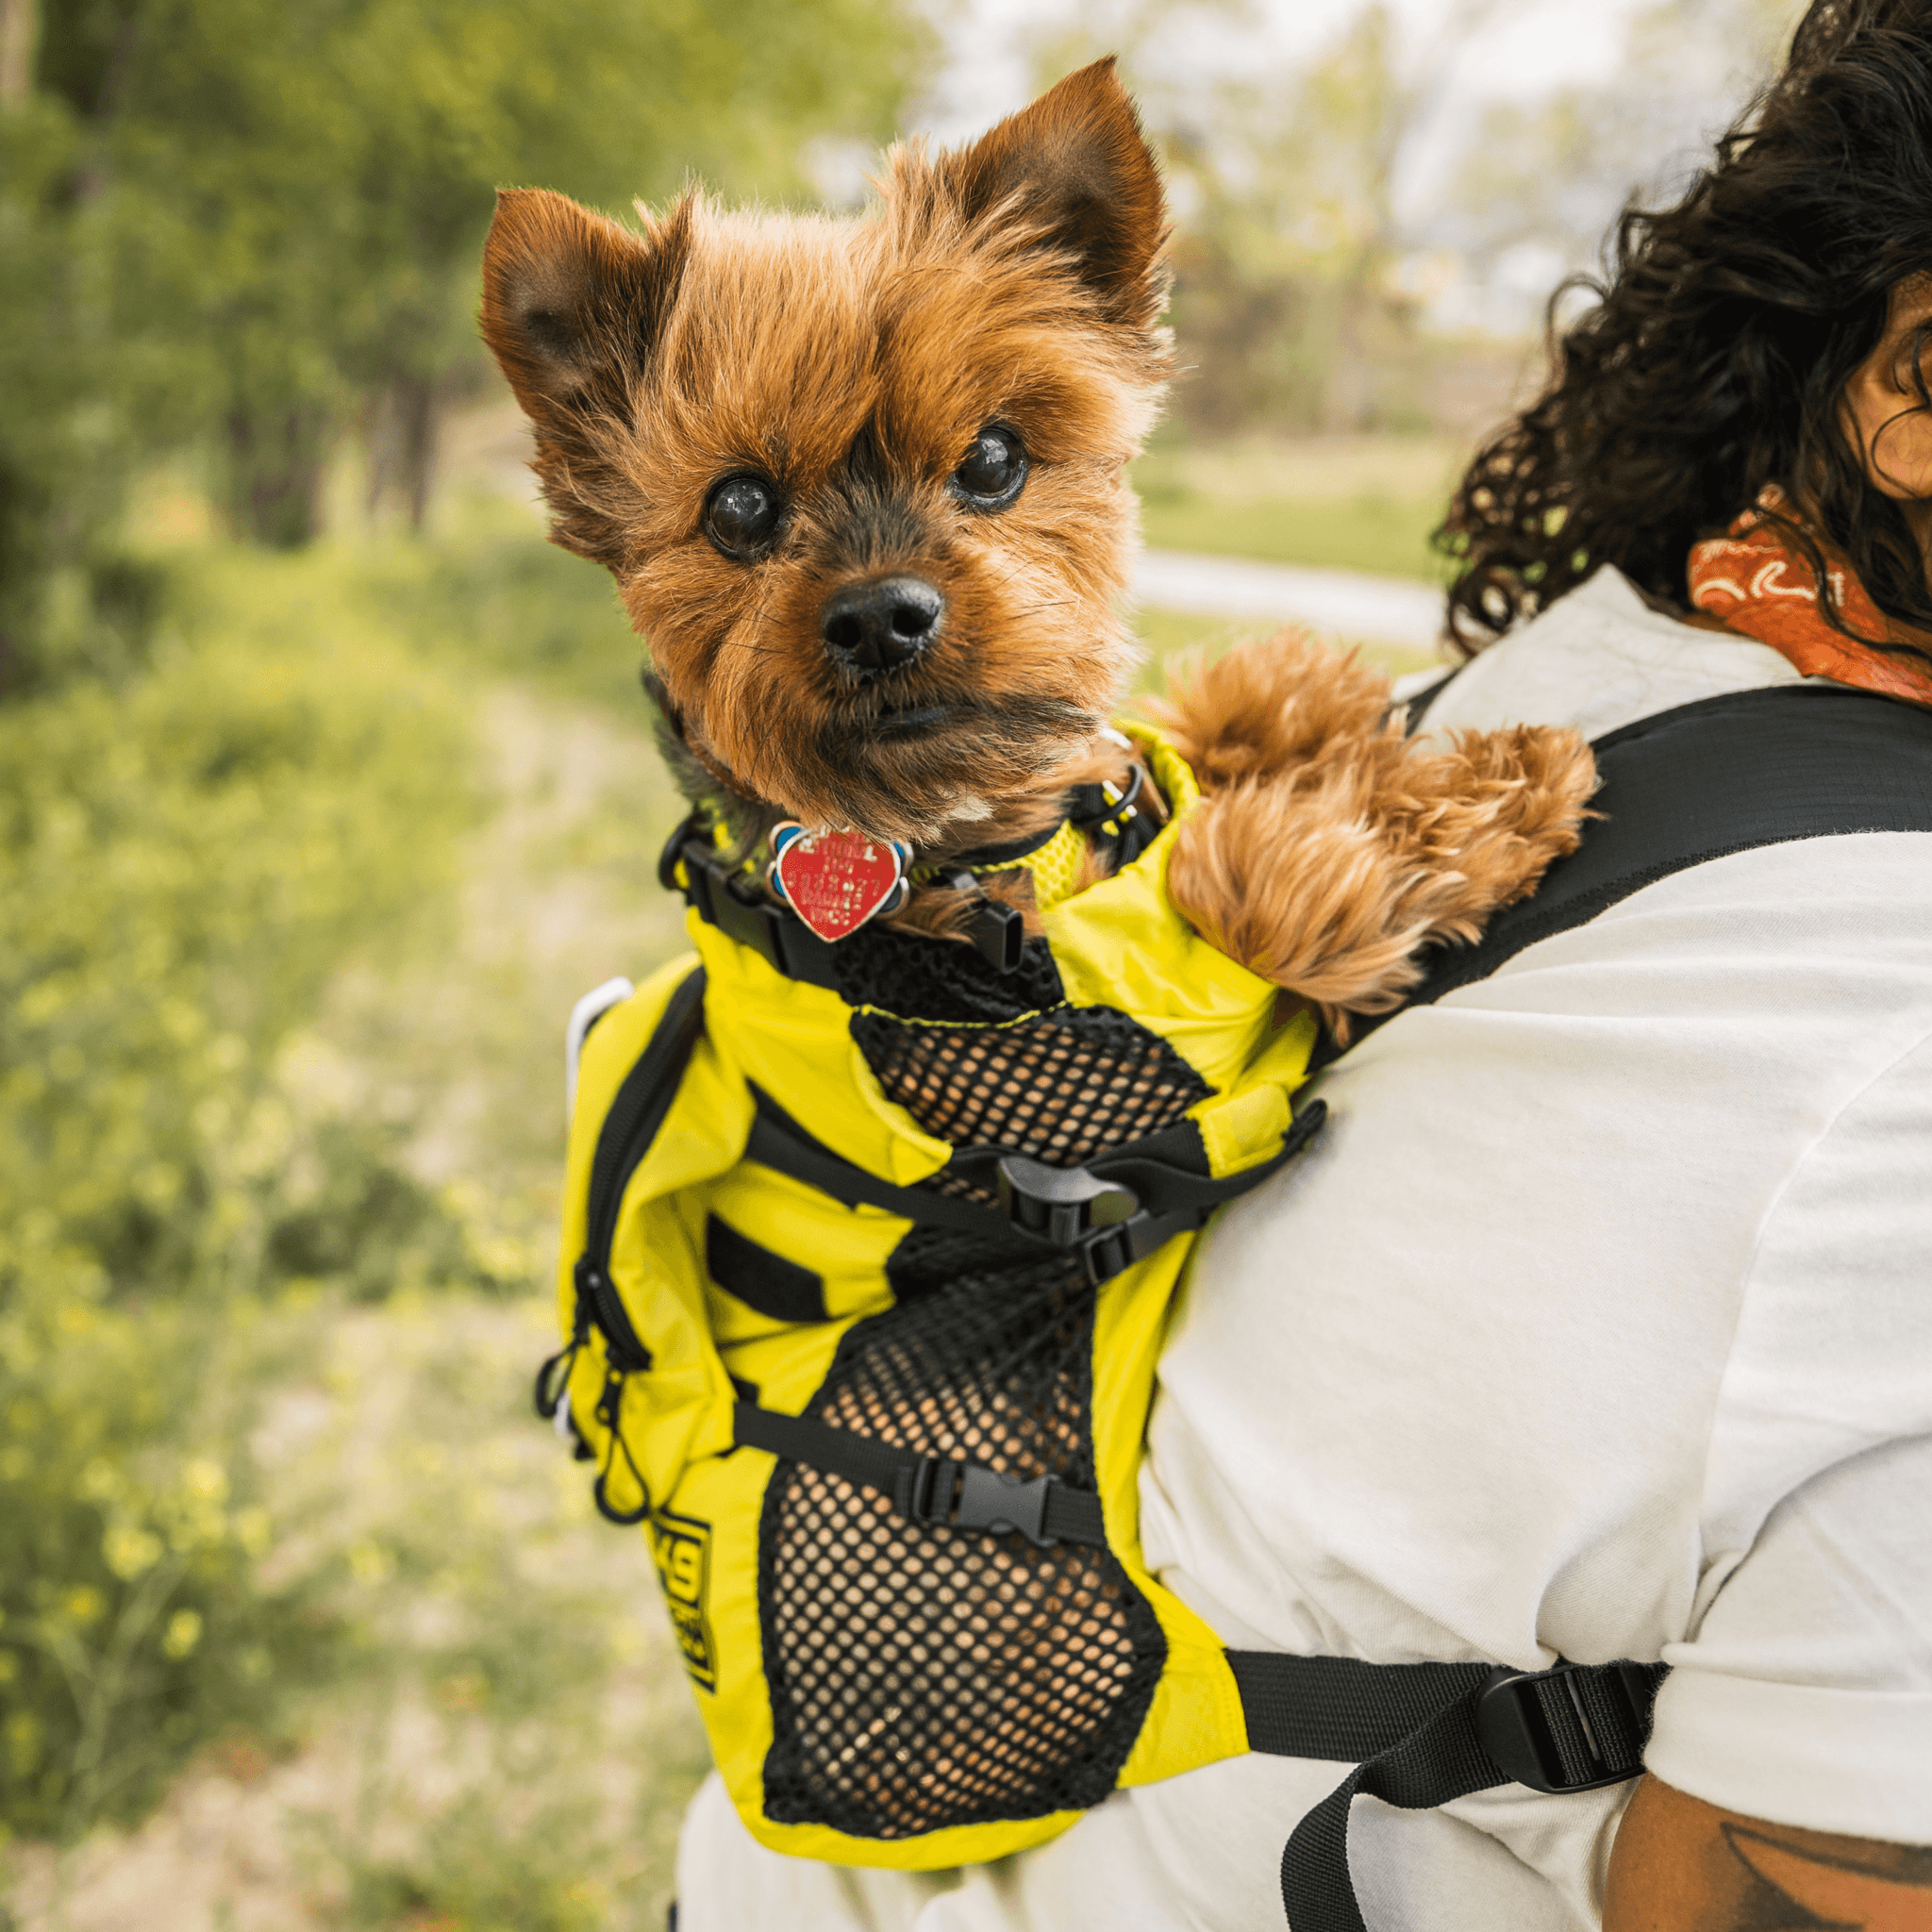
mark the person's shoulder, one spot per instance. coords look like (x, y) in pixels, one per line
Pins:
(1599, 659)
(1807, 935)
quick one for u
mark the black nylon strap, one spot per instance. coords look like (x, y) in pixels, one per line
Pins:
(929, 1489)
(1166, 1197)
(1415, 708)
(1338, 1708)
(1700, 782)
(1707, 779)
(1155, 1168)
(1430, 1766)
(1420, 1735)
(777, 1141)
(630, 1125)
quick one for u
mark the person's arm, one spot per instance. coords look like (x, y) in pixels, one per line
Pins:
(1680, 1865)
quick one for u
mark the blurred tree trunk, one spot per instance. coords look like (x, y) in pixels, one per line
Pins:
(277, 457)
(405, 431)
(20, 25)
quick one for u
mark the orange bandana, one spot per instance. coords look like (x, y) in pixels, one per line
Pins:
(1753, 581)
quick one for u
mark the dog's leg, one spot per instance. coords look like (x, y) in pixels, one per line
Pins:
(1327, 860)
(1267, 705)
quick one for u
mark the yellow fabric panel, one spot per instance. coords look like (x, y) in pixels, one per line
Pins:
(798, 1037)
(847, 1247)
(1121, 944)
(714, 1513)
(935, 1851)
(609, 1053)
(1195, 1716)
(1243, 1127)
(680, 1407)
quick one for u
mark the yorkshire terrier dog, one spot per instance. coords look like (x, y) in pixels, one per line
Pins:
(861, 486)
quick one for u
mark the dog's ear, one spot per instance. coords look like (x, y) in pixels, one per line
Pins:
(1076, 165)
(572, 307)
(572, 301)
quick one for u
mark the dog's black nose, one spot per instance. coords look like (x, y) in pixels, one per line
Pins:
(880, 625)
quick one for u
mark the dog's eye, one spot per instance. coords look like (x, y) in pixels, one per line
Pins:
(741, 515)
(994, 468)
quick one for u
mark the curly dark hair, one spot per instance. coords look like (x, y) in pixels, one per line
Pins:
(1715, 360)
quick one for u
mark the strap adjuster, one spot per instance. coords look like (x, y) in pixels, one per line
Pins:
(1100, 1221)
(1060, 1205)
(966, 1495)
(1538, 1729)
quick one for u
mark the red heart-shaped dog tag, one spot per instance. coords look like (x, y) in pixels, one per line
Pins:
(835, 881)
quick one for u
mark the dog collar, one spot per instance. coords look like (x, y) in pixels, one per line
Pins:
(830, 883)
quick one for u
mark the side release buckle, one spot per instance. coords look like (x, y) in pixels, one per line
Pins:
(1573, 1728)
(967, 1495)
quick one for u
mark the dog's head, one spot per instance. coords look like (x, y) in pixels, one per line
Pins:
(860, 481)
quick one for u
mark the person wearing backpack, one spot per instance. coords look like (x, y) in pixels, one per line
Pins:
(1595, 1325)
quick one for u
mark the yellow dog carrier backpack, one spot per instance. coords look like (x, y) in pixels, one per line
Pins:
(870, 1249)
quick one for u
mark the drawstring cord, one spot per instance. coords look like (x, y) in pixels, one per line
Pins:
(610, 1409)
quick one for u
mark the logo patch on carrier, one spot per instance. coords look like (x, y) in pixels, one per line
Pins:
(682, 1546)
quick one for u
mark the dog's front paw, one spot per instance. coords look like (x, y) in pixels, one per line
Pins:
(1330, 877)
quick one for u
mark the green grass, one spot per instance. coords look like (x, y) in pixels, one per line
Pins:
(1376, 535)
(1171, 635)
(1366, 504)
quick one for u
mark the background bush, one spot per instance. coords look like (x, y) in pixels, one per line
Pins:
(238, 239)
(184, 860)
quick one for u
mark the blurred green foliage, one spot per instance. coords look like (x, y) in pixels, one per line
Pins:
(244, 227)
(184, 862)
(523, 1739)
(1284, 285)
(237, 236)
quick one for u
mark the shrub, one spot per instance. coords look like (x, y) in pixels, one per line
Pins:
(185, 862)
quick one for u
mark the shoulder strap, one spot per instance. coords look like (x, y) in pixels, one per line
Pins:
(1707, 779)
(1420, 1735)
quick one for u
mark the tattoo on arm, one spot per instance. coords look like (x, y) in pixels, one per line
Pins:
(1805, 1890)
(1679, 1864)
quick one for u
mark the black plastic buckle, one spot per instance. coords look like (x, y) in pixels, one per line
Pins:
(1060, 1205)
(967, 1495)
(1068, 1208)
(991, 1500)
(1511, 1727)
(998, 932)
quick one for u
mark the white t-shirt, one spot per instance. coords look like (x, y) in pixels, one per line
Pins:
(1597, 1321)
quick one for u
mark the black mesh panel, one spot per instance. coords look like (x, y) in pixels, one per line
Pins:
(923, 1676)
(942, 979)
(1058, 1086)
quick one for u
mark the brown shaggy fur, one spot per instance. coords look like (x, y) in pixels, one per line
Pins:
(1329, 848)
(852, 364)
